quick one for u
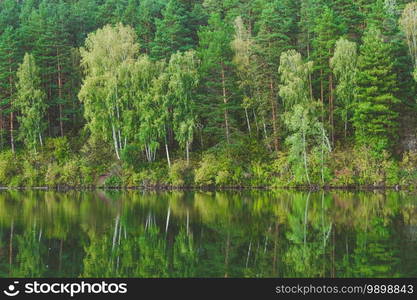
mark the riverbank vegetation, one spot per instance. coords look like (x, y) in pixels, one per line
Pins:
(140, 93)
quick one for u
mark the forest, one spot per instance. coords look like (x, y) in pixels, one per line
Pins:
(208, 93)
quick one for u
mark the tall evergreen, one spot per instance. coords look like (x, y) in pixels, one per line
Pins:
(8, 66)
(375, 110)
(275, 29)
(217, 73)
(172, 33)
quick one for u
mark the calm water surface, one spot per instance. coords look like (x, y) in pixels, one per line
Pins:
(208, 234)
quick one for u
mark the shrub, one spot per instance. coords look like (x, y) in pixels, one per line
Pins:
(113, 181)
(53, 175)
(206, 173)
(57, 149)
(70, 174)
(32, 176)
(181, 174)
(131, 156)
(408, 167)
(10, 166)
(260, 174)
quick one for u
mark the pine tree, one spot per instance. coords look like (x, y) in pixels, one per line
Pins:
(172, 33)
(275, 34)
(8, 66)
(375, 110)
(327, 31)
(217, 73)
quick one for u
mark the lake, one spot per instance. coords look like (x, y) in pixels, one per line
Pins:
(208, 234)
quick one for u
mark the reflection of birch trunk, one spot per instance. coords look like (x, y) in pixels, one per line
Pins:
(188, 222)
(247, 257)
(60, 254)
(305, 220)
(168, 215)
(274, 261)
(226, 257)
(118, 244)
(116, 226)
(11, 247)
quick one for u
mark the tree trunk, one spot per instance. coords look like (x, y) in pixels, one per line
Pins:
(274, 115)
(247, 120)
(308, 57)
(116, 147)
(61, 123)
(1, 128)
(187, 150)
(11, 109)
(331, 120)
(226, 114)
(11, 131)
(168, 159)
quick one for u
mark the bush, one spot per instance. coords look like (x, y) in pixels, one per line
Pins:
(10, 166)
(70, 174)
(343, 170)
(113, 181)
(32, 176)
(260, 174)
(181, 174)
(53, 175)
(57, 149)
(281, 172)
(408, 167)
(206, 173)
(131, 156)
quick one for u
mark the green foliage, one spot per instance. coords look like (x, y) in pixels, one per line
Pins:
(343, 64)
(408, 169)
(58, 149)
(375, 110)
(9, 167)
(113, 181)
(181, 174)
(138, 84)
(30, 102)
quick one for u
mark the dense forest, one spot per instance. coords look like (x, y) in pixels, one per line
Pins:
(228, 93)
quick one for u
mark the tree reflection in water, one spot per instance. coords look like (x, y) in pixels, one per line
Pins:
(208, 234)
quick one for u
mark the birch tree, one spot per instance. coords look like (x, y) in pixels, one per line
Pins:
(343, 64)
(106, 54)
(301, 116)
(183, 80)
(408, 22)
(30, 103)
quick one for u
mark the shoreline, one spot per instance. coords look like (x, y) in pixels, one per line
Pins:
(214, 188)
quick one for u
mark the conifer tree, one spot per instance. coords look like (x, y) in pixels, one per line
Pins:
(8, 66)
(171, 34)
(375, 110)
(216, 72)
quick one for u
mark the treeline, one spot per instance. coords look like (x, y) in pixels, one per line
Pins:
(176, 92)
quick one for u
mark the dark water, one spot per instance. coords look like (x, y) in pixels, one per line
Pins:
(207, 234)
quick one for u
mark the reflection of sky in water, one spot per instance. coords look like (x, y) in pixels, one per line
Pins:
(207, 234)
